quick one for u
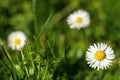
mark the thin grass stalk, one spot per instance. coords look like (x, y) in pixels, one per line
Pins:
(31, 58)
(24, 63)
(7, 54)
(51, 50)
(89, 77)
(46, 68)
(44, 26)
(34, 16)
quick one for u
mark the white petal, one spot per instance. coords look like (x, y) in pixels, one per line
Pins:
(103, 64)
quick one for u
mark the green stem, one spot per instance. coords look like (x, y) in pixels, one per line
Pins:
(24, 62)
(31, 59)
(90, 76)
(44, 75)
(34, 16)
(67, 36)
(38, 71)
(51, 50)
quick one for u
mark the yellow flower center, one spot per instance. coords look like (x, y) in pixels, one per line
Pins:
(99, 55)
(78, 20)
(17, 41)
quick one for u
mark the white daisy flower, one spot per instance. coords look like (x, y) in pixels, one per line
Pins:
(100, 56)
(16, 40)
(78, 19)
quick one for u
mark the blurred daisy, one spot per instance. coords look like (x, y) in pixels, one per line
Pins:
(16, 40)
(100, 56)
(78, 19)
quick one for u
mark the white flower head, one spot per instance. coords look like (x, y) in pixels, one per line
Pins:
(100, 56)
(78, 19)
(16, 40)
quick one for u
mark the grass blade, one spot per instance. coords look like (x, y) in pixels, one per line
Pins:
(6, 54)
(43, 27)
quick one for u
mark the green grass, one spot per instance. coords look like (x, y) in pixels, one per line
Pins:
(53, 51)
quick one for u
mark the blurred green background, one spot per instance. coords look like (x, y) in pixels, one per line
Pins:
(29, 16)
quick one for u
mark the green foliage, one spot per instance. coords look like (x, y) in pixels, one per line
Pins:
(53, 51)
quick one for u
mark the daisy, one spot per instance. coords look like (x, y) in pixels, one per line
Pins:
(78, 19)
(16, 40)
(100, 56)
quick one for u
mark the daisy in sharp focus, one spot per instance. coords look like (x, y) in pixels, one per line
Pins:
(78, 19)
(16, 40)
(100, 56)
